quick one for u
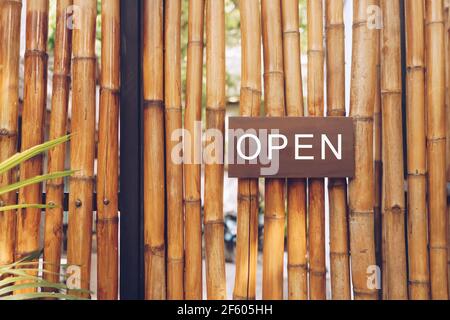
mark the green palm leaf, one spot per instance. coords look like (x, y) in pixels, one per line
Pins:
(17, 159)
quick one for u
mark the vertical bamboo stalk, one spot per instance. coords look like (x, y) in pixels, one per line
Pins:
(316, 233)
(378, 161)
(10, 13)
(393, 173)
(192, 147)
(339, 248)
(33, 117)
(447, 87)
(436, 137)
(174, 172)
(83, 142)
(108, 155)
(274, 220)
(58, 128)
(297, 241)
(419, 278)
(214, 170)
(248, 195)
(361, 189)
(154, 184)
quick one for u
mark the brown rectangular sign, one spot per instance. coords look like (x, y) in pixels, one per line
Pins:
(291, 147)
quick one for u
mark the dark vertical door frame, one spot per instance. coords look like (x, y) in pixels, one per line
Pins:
(131, 151)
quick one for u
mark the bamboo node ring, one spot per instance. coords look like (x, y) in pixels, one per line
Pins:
(335, 26)
(175, 260)
(439, 248)
(61, 76)
(362, 119)
(274, 218)
(251, 90)
(108, 221)
(157, 251)
(176, 109)
(336, 112)
(428, 23)
(360, 23)
(7, 133)
(436, 139)
(219, 109)
(340, 254)
(291, 32)
(36, 53)
(192, 202)
(83, 58)
(195, 43)
(14, 2)
(317, 273)
(362, 213)
(298, 266)
(54, 185)
(247, 198)
(421, 283)
(111, 90)
(214, 222)
(153, 104)
(82, 179)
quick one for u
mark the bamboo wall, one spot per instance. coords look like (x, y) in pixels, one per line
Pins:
(389, 226)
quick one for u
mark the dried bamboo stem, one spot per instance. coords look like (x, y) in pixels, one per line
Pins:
(274, 220)
(297, 237)
(447, 87)
(339, 247)
(193, 116)
(174, 172)
(436, 137)
(214, 170)
(248, 195)
(58, 127)
(361, 189)
(10, 14)
(83, 142)
(419, 277)
(316, 233)
(393, 171)
(33, 117)
(378, 160)
(108, 155)
(154, 183)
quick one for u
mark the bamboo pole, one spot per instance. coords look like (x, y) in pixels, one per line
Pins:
(154, 184)
(393, 173)
(274, 220)
(447, 87)
(297, 237)
(58, 128)
(174, 172)
(316, 220)
(248, 195)
(33, 117)
(108, 155)
(83, 142)
(214, 170)
(419, 278)
(193, 116)
(10, 13)
(361, 189)
(339, 247)
(436, 137)
(378, 161)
